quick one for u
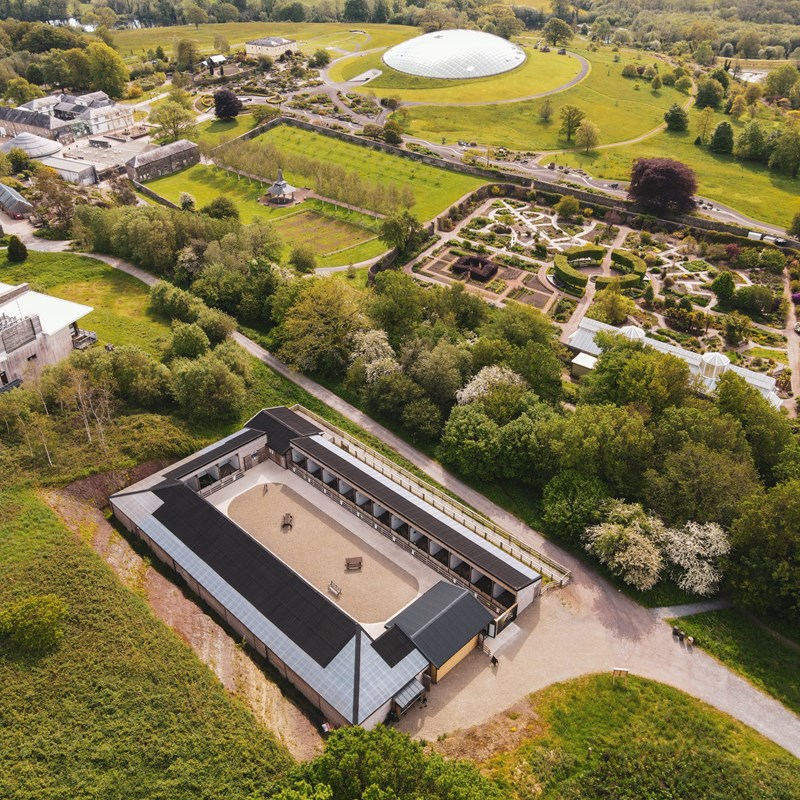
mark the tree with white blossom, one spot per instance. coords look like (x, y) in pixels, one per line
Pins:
(486, 380)
(696, 550)
(372, 348)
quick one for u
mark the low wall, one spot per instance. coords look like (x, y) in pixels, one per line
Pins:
(140, 187)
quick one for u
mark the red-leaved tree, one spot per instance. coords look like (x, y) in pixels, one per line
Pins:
(662, 184)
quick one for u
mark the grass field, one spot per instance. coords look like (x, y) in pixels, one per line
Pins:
(311, 223)
(122, 708)
(434, 188)
(612, 102)
(312, 36)
(750, 188)
(541, 72)
(217, 131)
(741, 644)
(648, 742)
(765, 352)
(120, 301)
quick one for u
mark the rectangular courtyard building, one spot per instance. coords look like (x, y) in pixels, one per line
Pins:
(271, 46)
(356, 589)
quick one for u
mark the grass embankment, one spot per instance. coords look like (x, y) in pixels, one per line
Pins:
(541, 72)
(120, 301)
(619, 109)
(743, 645)
(122, 708)
(435, 189)
(311, 36)
(325, 227)
(750, 188)
(647, 740)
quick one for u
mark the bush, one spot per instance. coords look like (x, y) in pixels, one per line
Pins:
(17, 252)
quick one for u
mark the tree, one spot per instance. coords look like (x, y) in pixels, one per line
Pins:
(656, 83)
(611, 306)
(226, 104)
(470, 442)
(187, 54)
(704, 54)
(738, 106)
(171, 120)
(571, 500)
(571, 118)
(221, 207)
(397, 304)
(16, 252)
(749, 44)
(724, 287)
(317, 329)
(107, 70)
(705, 119)
(34, 623)
(751, 144)
(423, 419)
(356, 11)
(662, 184)
(764, 564)
(722, 138)
(541, 367)
(587, 137)
(779, 82)
(519, 324)
(627, 542)
(568, 207)
(735, 328)
(677, 118)
(221, 44)
(440, 370)
(684, 84)
(546, 110)
(794, 228)
(709, 94)
(320, 59)
(188, 340)
(786, 152)
(206, 389)
(556, 31)
(20, 91)
(401, 230)
(303, 258)
(194, 15)
(695, 551)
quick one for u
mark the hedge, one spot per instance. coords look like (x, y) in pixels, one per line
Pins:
(592, 253)
(568, 275)
(629, 262)
(629, 281)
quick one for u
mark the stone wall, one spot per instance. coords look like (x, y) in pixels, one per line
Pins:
(140, 187)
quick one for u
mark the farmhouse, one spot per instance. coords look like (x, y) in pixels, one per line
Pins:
(345, 578)
(36, 330)
(708, 368)
(272, 46)
(163, 160)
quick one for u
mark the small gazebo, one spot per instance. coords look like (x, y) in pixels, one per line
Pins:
(281, 191)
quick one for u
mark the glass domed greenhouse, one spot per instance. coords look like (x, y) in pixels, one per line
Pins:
(454, 55)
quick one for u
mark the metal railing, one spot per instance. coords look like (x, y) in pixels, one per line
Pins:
(457, 511)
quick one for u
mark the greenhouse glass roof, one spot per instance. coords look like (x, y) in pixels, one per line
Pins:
(454, 55)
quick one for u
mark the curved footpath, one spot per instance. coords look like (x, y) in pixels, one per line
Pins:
(585, 627)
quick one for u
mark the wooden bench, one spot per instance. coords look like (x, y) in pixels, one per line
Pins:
(334, 589)
(288, 521)
(353, 564)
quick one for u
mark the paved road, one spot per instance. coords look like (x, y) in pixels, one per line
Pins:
(586, 627)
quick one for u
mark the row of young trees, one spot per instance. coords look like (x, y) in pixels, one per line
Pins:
(327, 179)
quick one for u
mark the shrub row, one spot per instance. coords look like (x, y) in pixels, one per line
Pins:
(629, 281)
(594, 254)
(568, 275)
(629, 262)
(175, 303)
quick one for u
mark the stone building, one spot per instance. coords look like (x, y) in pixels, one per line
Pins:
(163, 160)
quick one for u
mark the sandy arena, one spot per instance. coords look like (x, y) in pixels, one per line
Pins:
(316, 548)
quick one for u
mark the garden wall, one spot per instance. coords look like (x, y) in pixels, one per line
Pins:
(140, 187)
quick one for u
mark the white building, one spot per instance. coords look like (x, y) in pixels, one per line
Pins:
(85, 115)
(708, 368)
(36, 330)
(272, 46)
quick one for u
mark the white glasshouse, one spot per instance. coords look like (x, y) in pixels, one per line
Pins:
(454, 55)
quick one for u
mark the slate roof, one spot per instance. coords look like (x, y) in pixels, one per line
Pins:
(165, 151)
(13, 202)
(22, 116)
(271, 41)
(281, 425)
(211, 454)
(442, 621)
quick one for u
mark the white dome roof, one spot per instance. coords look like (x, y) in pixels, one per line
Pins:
(35, 146)
(454, 55)
(631, 332)
(716, 359)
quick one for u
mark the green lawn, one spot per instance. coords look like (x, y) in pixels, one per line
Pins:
(750, 188)
(434, 188)
(122, 708)
(217, 131)
(612, 102)
(327, 229)
(312, 36)
(648, 742)
(541, 72)
(120, 301)
(765, 352)
(741, 644)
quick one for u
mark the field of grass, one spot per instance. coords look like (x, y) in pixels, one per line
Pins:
(648, 742)
(619, 109)
(741, 644)
(434, 188)
(750, 188)
(312, 36)
(217, 131)
(120, 301)
(765, 352)
(325, 228)
(541, 72)
(122, 708)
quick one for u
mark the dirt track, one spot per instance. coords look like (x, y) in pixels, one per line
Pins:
(229, 662)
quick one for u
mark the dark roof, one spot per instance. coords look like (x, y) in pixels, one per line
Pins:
(416, 515)
(214, 454)
(315, 625)
(281, 425)
(442, 621)
(393, 646)
(165, 151)
(11, 200)
(34, 119)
